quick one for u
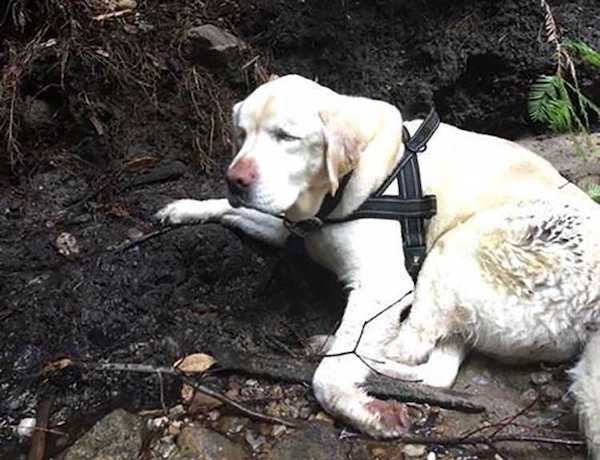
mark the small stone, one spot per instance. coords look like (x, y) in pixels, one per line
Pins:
(211, 44)
(541, 378)
(126, 4)
(67, 244)
(529, 396)
(278, 430)
(323, 417)
(134, 234)
(414, 450)
(174, 428)
(305, 412)
(202, 444)
(213, 415)
(251, 382)
(379, 452)
(26, 427)
(254, 441)
(431, 456)
(158, 423)
(118, 436)
(552, 393)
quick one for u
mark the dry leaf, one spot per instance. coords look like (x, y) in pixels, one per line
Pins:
(195, 363)
(57, 365)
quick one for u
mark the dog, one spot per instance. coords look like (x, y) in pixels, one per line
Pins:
(513, 253)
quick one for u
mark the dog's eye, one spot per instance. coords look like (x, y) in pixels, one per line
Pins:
(282, 135)
(240, 134)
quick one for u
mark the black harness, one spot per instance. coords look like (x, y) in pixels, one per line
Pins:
(410, 207)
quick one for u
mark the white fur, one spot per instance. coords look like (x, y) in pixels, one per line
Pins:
(513, 253)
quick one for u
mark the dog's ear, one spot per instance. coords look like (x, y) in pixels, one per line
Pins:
(341, 147)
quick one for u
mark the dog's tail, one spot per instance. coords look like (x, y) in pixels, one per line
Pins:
(586, 388)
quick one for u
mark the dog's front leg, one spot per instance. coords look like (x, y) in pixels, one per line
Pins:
(357, 348)
(258, 225)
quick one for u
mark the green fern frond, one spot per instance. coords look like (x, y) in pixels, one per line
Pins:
(540, 93)
(585, 52)
(550, 103)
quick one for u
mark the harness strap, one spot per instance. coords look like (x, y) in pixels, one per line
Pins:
(410, 207)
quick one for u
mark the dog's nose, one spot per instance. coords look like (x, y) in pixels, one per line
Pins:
(241, 175)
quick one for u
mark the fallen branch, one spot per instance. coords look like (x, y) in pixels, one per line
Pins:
(114, 14)
(301, 371)
(485, 440)
(147, 369)
(38, 440)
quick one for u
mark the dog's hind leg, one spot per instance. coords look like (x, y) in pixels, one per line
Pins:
(356, 347)
(258, 225)
(440, 369)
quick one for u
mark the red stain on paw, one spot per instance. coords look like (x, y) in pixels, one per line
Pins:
(392, 415)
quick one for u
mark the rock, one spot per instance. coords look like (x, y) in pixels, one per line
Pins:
(529, 396)
(118, 436)
(26, 427)
(202, 444)
(212, 45)
(202, 404)
(134, 234)
(552, 393)
(231, 425)
(541, 378)
(254, 441)
(315, 441)
(278, 430)
(126, 4)
(67, 244)
(414, 450)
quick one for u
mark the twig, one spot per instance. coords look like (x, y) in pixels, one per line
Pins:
(114, 14)
(148, 236)
(145, 368)
(301, 371)
(484, 440)
(502, 424)
(38, 440)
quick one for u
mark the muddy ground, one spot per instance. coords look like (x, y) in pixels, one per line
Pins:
(118, 117)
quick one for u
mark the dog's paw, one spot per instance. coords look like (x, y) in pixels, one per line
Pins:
(191, 211)
(390, 418)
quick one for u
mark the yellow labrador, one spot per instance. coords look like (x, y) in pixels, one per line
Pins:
(513, 254)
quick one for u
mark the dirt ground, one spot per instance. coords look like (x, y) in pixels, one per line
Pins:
(113, 118)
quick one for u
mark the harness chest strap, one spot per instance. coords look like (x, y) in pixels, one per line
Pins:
(410, 207)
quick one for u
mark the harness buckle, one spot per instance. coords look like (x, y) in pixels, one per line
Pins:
(304, 227)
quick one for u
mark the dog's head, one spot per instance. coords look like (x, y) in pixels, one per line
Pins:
(296, 139)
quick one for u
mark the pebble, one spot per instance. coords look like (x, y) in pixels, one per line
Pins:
(278, 430)
(26, 427)
(552, 393)
(134, 234)
(541, 378)
(431, 456)
(202, 444)
(414, 450)
(126, 4)
(530, 395)
(254, 441)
